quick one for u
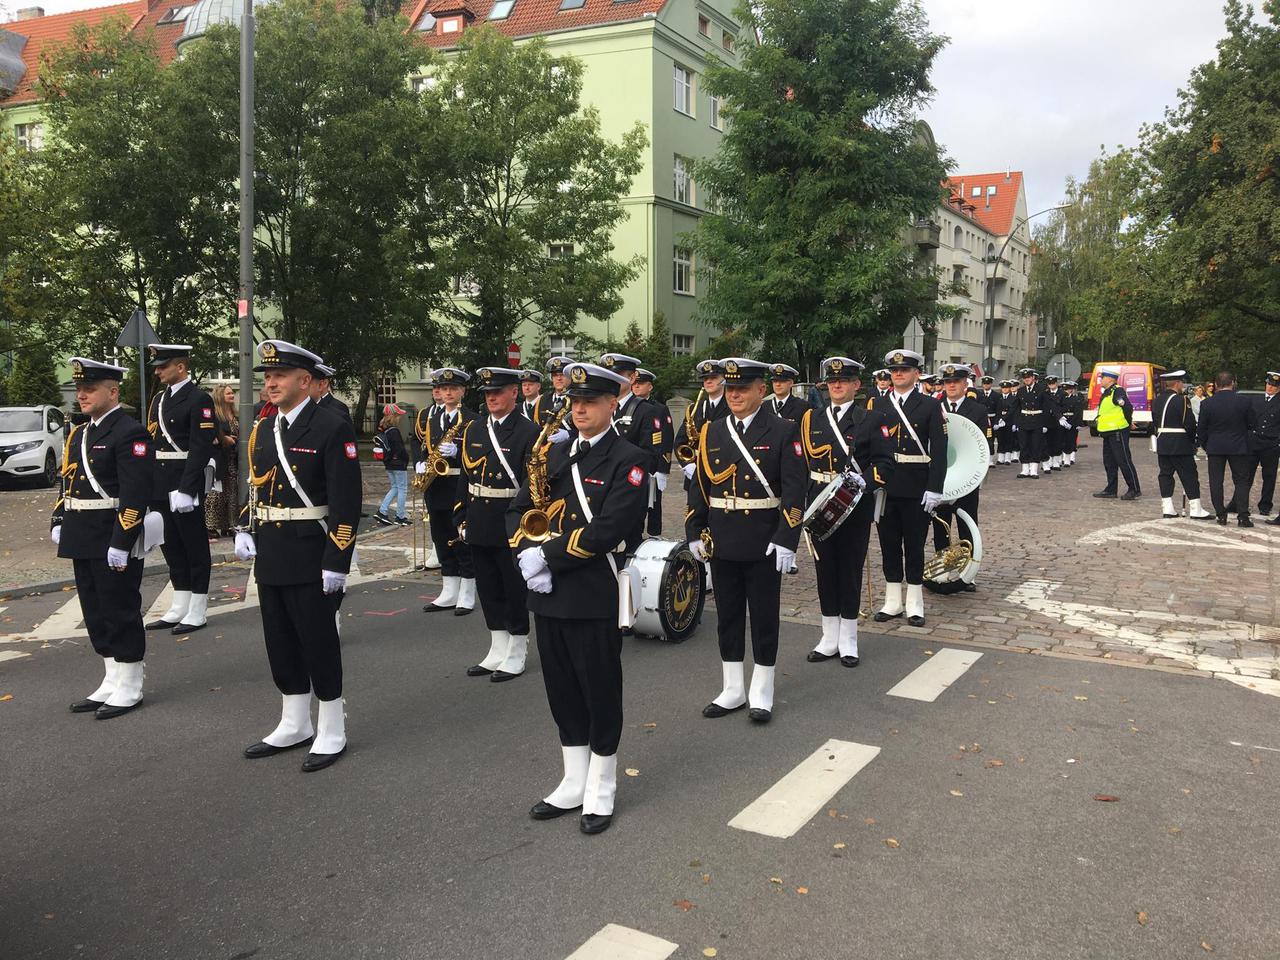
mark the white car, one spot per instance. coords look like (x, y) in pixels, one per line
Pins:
(31, 440)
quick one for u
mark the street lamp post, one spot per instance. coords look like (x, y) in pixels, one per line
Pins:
(244, 307)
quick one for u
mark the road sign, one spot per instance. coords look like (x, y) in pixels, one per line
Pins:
(137, 333)
(990, 366)
(913, 337)
(1063, 366)
(513, 354)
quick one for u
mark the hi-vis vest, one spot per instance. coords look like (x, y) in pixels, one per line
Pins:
(1110, 415)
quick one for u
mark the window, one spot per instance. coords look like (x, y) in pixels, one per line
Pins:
(465, 286)
(704, 26)
(683, 90)
(427, 24)
(177, 14)
(572, 4)
(977, 192)
(501, 10)
(957, 274)
(682, 263)
(54, 423)
(424, 83)
(386, 390)
(30, 136)
(560, 251)
(562, 346)
(451, 25)
(726, 41)
(717, 104)
(682, 344)
(1042, 341)
(991, 191)
(683, 182)
(958, 239)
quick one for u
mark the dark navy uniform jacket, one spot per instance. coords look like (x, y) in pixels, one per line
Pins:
(1174, 424)
(119, 454)
(911, 478)
(860, 428)
(486, 517)
(189, 420)
(429, 429)
(792, 408)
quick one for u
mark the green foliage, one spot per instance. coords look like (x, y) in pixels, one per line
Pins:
(33, 380)
(818, 175)
(671, 372)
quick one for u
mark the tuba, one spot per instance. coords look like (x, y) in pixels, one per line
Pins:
(687, 452)
(955, 567)
(535, 523)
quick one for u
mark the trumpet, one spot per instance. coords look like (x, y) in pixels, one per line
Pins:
(437, 466)
(535, 524)
(687, 452)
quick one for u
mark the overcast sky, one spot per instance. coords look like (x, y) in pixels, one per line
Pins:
(1039, 85)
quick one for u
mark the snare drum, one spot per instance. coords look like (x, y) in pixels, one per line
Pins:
(670, 592)
(833, 506)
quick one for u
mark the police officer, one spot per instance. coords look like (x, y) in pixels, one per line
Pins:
(748, 491)
(1115, 416)
(495, 453)
(1072, 413)
(1053, 417)
(596, 494)
(97, 521)
(432, 428)
(915, 424)
(1265, 443)
(531, 395)
(711, 407)
(320, 392)
(641, 423)
(304, 505)
(643, 388)
(1173, 438)
(782, 378)
(844, 436)
(990, 398)
(1028, 419)
(184, 433)
(956, 401)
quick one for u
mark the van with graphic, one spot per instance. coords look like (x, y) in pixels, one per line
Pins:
(1141, 381)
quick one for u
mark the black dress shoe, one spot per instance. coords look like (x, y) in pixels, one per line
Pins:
(432, 608)
(318, 761)
(549, 811)
(760, 714)
(462, 611)
(815, 657)
(713, 710)
(1105, 495)
(478, 671)
(500, 676)
(1245, 522)
(161, 625)
(915, 621)
(1222, 520)
(1130, 495)
(106, 711)
(182, 628)
(1274, 521)
(86, 705)
(256, 751)
(882, 617)
(849, 661)
(595, 822)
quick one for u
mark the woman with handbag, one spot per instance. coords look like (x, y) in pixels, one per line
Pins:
(388, 446)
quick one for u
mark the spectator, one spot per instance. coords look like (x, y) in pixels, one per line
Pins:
(1197, 398)
(221, 507)
(1226, 419)
(395, 457)
(263, 408)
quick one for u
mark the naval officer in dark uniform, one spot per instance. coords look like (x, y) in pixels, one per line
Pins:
(989, 397)
(322, 394)
(782, 378)
(531, 395)
(641, 423)
(711, 406)
(184, 433)
(643, 388)
(1028, 411)
(748, 493)
(97, 521)
(596, 494)
(1173, 434)
(495, 452)
(1264, 441)
(304, 505)
(956, 401)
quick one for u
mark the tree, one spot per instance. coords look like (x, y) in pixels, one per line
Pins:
(528, 169)
(34, 379)
(818, 175)
(670, 370)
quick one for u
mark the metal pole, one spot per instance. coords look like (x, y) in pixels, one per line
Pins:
(142, 372)
(244, 309)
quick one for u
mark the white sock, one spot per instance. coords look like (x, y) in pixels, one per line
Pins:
(733, 693)
(829, 643)
(295, 721)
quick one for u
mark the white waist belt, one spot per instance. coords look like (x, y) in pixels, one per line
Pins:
(1030, 412)
(97, 503)
(1171, 430)
(912, 458)
(497, 493)
(292, 513)
(171, 454)
(744, 503)
(822, 476)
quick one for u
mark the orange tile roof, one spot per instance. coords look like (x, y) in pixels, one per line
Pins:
(166, 34)
(531, 17)
(998, 217)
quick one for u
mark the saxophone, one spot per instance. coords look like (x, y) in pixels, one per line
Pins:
(535, 524)
(437, 466)
(687, 452)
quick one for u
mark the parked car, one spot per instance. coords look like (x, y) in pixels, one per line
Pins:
(31, 440)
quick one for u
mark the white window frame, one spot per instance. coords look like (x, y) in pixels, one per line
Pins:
(451, 25)
(559, 251)
(682, 89)
(508, 6)
(682, 188)
(715, 106)
(30, 136)
(682, 344)
(682, 279)
(562, 346)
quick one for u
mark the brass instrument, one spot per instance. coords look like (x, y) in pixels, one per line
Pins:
(948, 563)
(688, 452)
(535, 524)
(708, 547)
(437, 466)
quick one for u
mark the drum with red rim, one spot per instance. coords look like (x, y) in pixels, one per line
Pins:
(833, 506)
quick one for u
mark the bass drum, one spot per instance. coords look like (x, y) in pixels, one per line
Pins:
(669, 587)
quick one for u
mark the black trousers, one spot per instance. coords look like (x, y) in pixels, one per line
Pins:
(455, 561)
(1184, 465)
(1007, 439)
(502, 590)
(903, 527)
(1071, 441)
(1116, 459)
(582, 671)
(1267, 461)
(185, 548)
(1242, 465)
(655, 514)
(969, 504)
(841, 558)
(111, 602)
(1031, 444)
(302, 639)
(742, 586)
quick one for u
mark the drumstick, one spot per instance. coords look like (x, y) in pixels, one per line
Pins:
(813, 551)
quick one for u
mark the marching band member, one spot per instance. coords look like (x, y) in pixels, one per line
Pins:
(748, 491)
(1006, 429)
(643, 388)
(1264, 441)
(843, 436)
(1053, 417)
(1028, 414)
(305, 492)
(958, 402)
(495, 453)
(712, 407)
(556, 367)
(990, 399)
(449, 419)
(884, 384)
(531, 395)
(320, 392)
(596, 495)
(183, 431)
(914, 489)
(641, 423)
(782, 377)
(1174, 440)
(1072, 411)
(106, 486)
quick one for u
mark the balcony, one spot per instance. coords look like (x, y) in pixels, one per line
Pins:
(926, 235)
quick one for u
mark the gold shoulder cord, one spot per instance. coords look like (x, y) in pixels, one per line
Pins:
(806, 425)
(467, 462)
(711, 475)
(256, 480)
(68, 471)
(153, 421)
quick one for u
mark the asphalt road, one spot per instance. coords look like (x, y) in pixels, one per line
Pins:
(150, 837)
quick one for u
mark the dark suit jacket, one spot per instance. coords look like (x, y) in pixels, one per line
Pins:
(1226, 419)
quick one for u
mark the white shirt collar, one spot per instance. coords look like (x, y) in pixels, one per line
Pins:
(839, 408)
(175, 387)
(95, 422)
(288, 417)
(902, 395)
(746, 422)
(714, 400)
(585, 443)
(498, 421)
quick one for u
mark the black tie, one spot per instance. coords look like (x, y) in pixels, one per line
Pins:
(742, 431)
(953, 406)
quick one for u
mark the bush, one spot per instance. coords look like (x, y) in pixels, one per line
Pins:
(33, 380)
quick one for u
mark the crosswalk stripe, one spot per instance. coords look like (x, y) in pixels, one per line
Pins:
(12, 655)
(62, 624)
(613, 942)
(161, 606)
(927, 681)
(791, 802)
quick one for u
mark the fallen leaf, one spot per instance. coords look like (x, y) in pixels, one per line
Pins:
(1142, 918)
(928, 653)
(632, 772)
(1175, 830)
(993, 763)
(802, 890)
(832, 813)
(870, 821)
(7, 696)
(710, 952)
(706, 878)
(1078, 697)
(775, 880)
(1185, 790)
(892, 844)
(955, 793)
(648, 726)
(838, 846)
(1106, 798)
(48, 916)
(893, 731)
(991, 701)
(683, 905)
(1205, 946)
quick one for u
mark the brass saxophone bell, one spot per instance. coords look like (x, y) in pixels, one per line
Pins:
(535, 524)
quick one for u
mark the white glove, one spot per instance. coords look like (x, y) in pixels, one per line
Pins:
(56, 535)
(1044, 429)
(117, 559)
(689, 470)
(661, 480)
(784, 558)
(420, 467)
(931, 501)
(333, 582)
(180, 502)
(541, 582)
(858, 480)
(999, 424)
(532, 562)
(449, 449)
(462, 532)
(1014, 428)
(1066, 424)
(560, 436)
(246, 549)
(699, 550)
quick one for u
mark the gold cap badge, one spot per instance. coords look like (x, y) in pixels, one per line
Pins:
(579, 375)
(77, 369)
(897, 358)
(731, 367)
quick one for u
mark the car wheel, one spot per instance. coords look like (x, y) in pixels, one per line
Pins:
(50, 475)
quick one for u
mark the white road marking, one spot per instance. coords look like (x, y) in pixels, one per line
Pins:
(1254, 746)
(613, 942)
(927, 681)
(791, 802)
(61, 625)
(161, 606)
(1184, 533)
(12, 655)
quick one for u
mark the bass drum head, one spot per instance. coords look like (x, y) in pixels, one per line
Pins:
(673, 590)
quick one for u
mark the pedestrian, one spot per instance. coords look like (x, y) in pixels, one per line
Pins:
(222, 508)
(1173, 438)
(1072, 414)
(1226, 421)
(990, 399)
(1197, 398)
(1054, 418)
(263, 408)
(641, 423)
(322, 395)
(1115, 417)
(395, 458)
(1264, 442)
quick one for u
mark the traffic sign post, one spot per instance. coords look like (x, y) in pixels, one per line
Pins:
(137, 333)
(1063, 366)
(513, 354)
